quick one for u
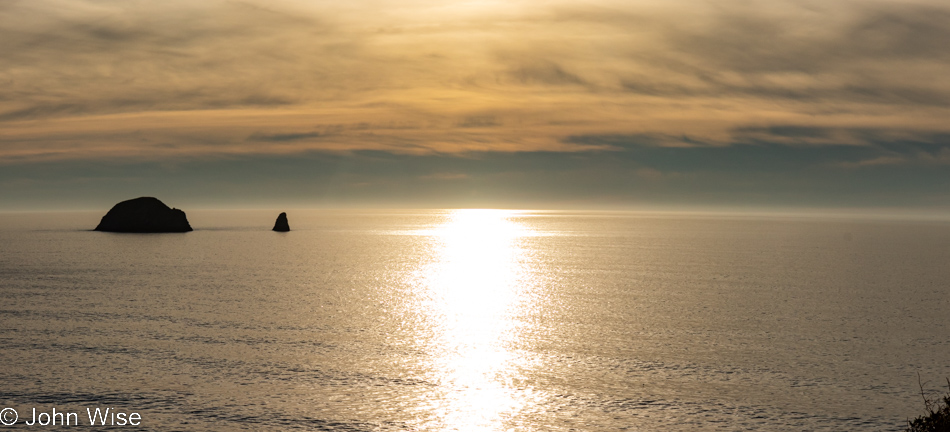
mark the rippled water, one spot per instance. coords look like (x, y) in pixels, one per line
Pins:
(477, 320)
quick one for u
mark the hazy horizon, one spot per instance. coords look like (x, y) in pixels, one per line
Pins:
(268, 212)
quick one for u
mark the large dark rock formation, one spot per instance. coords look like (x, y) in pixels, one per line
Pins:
(144, 215)
(281, 224)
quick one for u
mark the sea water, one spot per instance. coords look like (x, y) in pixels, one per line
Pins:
(476, 320)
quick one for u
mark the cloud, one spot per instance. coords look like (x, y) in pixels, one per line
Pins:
(88, 58)
(442, 176)
(781, 148)
(286, 136)
(816, 57)
(546, 73)
(87, 79)
(478, 121)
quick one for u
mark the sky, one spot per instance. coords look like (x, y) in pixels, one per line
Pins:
(571, 104)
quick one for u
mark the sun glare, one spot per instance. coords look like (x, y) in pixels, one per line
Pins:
(473, 288)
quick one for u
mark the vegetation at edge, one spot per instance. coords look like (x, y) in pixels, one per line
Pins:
(937, 418)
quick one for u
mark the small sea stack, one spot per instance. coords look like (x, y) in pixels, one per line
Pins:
(281, 225)
(144, 215)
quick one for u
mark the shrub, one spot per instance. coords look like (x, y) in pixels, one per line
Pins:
(937, 418)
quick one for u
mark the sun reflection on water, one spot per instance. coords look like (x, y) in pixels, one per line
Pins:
(474, 289)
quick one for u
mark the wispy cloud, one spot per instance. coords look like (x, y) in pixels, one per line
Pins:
(668, 87)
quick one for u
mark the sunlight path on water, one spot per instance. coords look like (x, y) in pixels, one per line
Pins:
(473, 290)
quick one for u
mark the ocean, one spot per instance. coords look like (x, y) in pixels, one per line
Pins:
(475, 320)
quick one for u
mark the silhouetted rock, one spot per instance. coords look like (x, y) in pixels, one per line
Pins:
(281, 224)
(144, 215)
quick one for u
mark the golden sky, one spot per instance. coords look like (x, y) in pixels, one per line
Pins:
(90, 80)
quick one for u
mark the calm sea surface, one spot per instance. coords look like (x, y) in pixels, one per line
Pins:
(476, 320)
